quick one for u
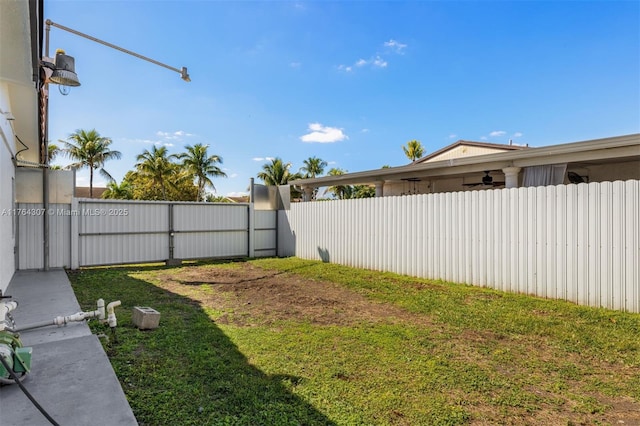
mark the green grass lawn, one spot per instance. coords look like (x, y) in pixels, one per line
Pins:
(451, 354)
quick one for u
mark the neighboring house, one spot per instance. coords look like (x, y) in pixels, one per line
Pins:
(83, 192)
(464, 148)
(20, 133)
(466, 166)
(240, 199)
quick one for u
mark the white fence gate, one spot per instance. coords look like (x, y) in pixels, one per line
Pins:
(575, 242)
(105, 232)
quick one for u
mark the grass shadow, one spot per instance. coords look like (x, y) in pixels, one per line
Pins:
(324, 254)
(187, 371)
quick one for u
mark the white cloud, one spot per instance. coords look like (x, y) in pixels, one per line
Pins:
(396, 46)
(263, 158)
(483, 138)
(173, 136)
(364, 131)
(376, 61)
(379, 62)
(496, 133)
(518, 135)
(453, 136)
(295, 64)
(323, 134)
(233, 175)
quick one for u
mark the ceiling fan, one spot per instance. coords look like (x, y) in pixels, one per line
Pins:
(575, 178)
(487, 180)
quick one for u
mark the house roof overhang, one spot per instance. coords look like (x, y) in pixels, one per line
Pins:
(618, 148)
(20, 41)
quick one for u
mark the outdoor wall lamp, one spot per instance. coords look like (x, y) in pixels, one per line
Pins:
(62, 70)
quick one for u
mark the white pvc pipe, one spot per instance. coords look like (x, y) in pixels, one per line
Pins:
(113, 321)
(5, 308)
(78, 316)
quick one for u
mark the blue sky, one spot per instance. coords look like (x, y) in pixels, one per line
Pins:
(347, 81)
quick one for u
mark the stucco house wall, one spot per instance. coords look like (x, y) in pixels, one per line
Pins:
(18, 114)
(7, 182)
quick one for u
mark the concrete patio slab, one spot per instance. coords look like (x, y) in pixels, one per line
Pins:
(42, 296)
(71, 376)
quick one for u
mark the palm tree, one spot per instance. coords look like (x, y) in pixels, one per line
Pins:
(276, 173)
(156, 165)
(363, 191)
(91, 150)
(123, 191)
(342, 192)
(53, 151)
(211, 198)
(202, 166)
(413, 150)
(313, 167)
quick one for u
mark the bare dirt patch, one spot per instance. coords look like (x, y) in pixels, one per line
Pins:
(252, 296)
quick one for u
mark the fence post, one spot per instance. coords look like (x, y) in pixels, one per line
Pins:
(171, 261)
(75, 234)
(251, 227)
(252, 230)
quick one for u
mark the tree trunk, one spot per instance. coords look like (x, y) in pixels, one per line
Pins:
(164, 190)
(90, 182)
(200, 190)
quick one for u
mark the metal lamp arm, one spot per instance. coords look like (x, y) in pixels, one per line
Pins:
(183, 71)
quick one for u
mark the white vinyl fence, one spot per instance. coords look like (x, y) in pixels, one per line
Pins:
(575, 242)
(104, 232)
(579, 243)
(30, 230)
